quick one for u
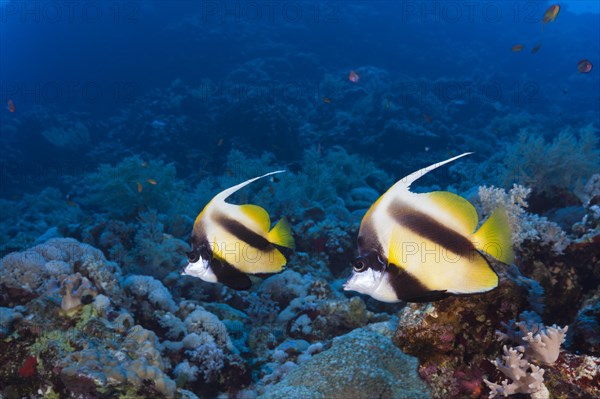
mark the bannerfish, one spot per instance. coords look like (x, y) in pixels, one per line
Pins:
(230, 241)
(424, 247)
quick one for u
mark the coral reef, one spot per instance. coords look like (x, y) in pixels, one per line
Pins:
(361, 364)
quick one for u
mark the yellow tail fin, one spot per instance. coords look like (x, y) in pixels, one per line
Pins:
(493, 237)
(281, 234)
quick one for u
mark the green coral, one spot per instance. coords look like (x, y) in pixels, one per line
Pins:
(566, 162)
(133, 184)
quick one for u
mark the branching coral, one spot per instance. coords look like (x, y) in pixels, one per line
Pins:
(132, 184)
(527, 378)
(539, 344)
(524, 226)
(563, 163)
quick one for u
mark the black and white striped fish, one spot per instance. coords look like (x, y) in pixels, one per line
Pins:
(230, 241)
(423, 247)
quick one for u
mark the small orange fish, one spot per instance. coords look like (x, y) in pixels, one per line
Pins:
(353, 77)
(151, 181)
(584, 66)
(426, 117)
(71, 203)
(139, 186)
(551, 14)
(536, 48)
(11, 106)
(517, 47)
(326, 100)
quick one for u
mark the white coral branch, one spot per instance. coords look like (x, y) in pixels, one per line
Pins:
(544, 346)
(526, 378)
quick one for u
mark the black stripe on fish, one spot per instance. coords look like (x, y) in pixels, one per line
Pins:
(409, 289)
(367, 239)
(229, 275)
(243, 233)
(429, 228)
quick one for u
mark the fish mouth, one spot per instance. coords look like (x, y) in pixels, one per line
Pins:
(347, 285)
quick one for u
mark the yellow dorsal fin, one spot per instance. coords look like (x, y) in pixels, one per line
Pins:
(281, 234)
(258, 215)
(493, 237)
(458, 207)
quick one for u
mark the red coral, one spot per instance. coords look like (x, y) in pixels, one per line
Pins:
(29, 368)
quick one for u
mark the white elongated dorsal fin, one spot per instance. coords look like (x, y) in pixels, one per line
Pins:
(223, 195)
(405, 182)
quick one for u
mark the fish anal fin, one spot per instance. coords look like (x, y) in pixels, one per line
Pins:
(459, 208)
(281, 234)
(494, 237)
(258, 214)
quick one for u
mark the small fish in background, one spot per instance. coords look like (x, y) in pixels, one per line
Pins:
(565, 92)
(387, 103)
(550, 15)
(220, 142)
(326, 100)
(517, 47)
(152, 181)
(419, 247)
(10, 106)
(536, 48)
(427, 118)
(140, 188)
(69, 198)
(353, 77)
(584, 66)
(230, 241)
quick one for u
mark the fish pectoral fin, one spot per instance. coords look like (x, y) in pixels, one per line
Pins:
(258, 214)
(229, 275)
(281, 234)
(458, 207)
(494, 237)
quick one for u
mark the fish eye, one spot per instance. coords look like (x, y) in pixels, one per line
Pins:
(193, 256)
(359, 265)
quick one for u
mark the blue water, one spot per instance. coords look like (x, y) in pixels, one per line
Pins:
(102, 59)
(120, 120)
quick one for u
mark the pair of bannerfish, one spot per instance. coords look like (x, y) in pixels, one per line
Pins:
(412, 247)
